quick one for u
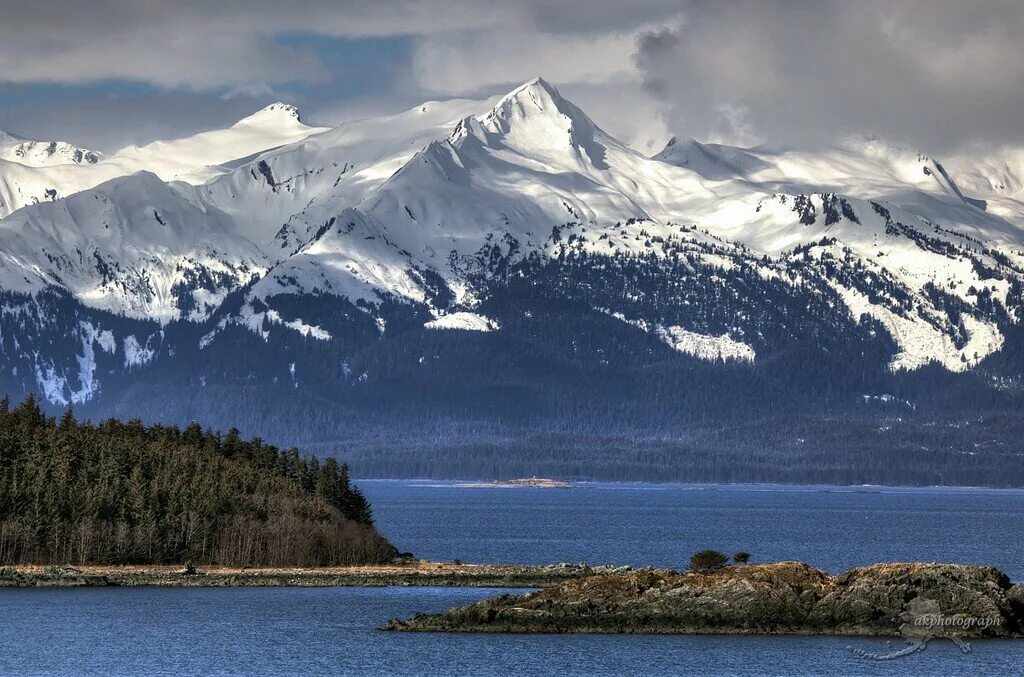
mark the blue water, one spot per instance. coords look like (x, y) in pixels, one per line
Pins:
(331, 631)
(832, 528)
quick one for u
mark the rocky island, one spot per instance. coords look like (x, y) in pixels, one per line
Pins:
(908, 599)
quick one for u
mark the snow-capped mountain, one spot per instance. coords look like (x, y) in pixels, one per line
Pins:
(130, 246)
(465, 249)
(32, 172)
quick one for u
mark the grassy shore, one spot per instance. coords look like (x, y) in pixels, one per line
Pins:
(418, 573)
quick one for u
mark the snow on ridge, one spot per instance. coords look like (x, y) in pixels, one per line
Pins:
(45, 153)
(464, 321)
(275, 112)
(32, 172)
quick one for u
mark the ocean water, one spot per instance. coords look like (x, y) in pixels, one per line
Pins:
(832, 528)
(279, 631)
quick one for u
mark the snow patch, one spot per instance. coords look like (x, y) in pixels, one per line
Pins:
(308, 330)
(57, 387)
(52, 384)
(206, 339)
(704, 346)
(136, 354)
(464, 321)
(921, 343)
(255, 321)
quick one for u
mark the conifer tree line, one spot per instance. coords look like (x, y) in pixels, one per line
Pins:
(115, 492)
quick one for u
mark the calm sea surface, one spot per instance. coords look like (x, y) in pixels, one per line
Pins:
(331, 631)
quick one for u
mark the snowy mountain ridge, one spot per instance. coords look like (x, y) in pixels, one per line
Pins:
(36, 171)
(436, 212)
(44, 153)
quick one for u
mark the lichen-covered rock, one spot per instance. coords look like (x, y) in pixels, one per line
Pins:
(782, 598)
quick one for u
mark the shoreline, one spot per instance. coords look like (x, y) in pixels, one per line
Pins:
(415, 574)
(706, 486)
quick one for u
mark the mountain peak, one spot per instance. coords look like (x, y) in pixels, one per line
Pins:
(537, 94)
(538, 122)
(536, 104)
(538, 84)
(678, 148)
(276, 112)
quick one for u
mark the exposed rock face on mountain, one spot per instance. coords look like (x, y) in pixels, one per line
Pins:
(477, 270)
(917, 600)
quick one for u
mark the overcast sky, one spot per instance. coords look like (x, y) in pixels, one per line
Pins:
(932, 74)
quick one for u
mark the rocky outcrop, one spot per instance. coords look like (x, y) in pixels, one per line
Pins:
(783, 598)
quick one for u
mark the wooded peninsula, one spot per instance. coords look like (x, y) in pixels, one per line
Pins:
(125, 493)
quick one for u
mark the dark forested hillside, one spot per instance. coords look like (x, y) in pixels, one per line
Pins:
(576, 382)
(125, 493)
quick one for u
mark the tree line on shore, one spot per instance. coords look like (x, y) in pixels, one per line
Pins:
(121, 492)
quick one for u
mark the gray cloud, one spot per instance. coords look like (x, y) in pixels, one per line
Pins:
(932, 73)
(207, 43)
(202, 44)
(936, 74)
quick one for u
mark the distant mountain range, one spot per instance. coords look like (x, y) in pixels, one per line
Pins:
(478, 288)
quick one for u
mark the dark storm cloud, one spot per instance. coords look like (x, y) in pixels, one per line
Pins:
(933, 73)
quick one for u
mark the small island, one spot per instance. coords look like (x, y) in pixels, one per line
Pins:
(533, 483)
(785, 598)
